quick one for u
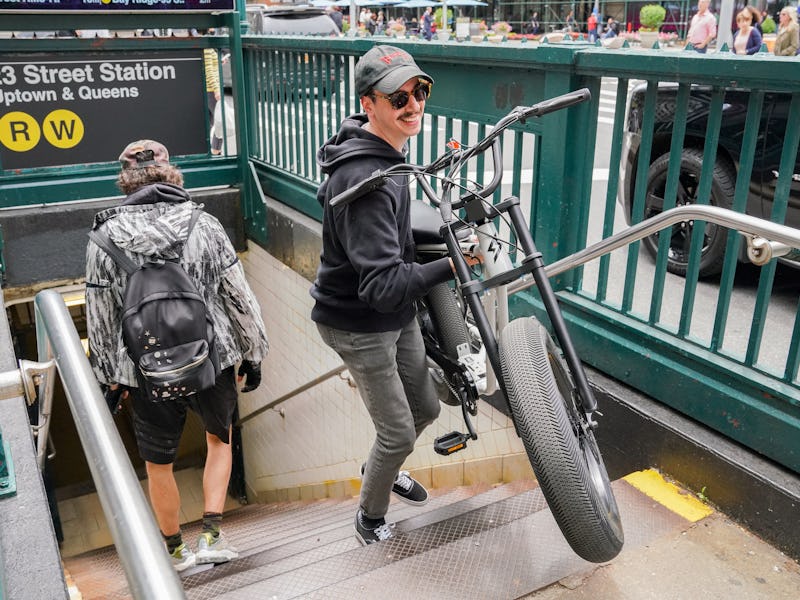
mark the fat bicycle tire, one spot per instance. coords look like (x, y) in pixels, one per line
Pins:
(563, 453)
(447, 318)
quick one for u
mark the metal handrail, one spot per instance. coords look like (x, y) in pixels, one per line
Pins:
(139, 545)
(765, 238)
(292, 394)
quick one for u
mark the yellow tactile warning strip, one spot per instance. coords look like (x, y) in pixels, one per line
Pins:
(681, 502)
(74, 592)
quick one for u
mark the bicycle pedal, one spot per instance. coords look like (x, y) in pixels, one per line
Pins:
(449, 443)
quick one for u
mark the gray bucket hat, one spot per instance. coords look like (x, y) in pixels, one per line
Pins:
(386, 69)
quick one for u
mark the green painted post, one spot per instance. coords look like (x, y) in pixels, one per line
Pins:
(563, 171)
(8, 482)
(254, 209)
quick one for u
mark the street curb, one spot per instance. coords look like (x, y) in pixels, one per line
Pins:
(636, 432)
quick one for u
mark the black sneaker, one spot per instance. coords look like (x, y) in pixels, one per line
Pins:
(369, 531)
(408, 489)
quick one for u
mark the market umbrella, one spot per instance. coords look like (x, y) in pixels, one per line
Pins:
(416, 4)
(466, 3)
(363, 3)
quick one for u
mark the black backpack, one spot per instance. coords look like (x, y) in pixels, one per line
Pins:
(165, 325)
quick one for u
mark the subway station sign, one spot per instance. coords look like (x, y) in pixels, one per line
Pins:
(57, 110)
(129, 6)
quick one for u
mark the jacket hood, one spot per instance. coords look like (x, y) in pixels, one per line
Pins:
(153, 220)
(353, 141)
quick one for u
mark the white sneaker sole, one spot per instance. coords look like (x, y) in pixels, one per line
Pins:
(180, 567)
(215, 557)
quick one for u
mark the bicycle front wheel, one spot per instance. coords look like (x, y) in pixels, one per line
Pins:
(561, 447)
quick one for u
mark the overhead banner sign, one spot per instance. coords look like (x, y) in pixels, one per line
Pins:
(105, 6)
(55, 111)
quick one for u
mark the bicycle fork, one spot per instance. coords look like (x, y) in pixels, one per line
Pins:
(532, 263)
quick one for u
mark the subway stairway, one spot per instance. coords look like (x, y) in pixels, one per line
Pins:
(479, 541)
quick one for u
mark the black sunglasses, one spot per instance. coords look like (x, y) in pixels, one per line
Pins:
(421, 91)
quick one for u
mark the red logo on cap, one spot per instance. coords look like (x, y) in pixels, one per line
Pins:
(389, 57)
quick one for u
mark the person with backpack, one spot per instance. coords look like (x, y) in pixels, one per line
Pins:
(169, 314)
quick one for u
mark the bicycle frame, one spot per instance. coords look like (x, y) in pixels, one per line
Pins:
(501, 273)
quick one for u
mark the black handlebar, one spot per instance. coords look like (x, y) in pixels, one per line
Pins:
(519, 114)
(554, 104)
(523, 113)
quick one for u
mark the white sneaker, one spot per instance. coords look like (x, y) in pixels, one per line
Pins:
(182, 558)
(214, 550)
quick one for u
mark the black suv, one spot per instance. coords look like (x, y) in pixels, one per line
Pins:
(763, 179)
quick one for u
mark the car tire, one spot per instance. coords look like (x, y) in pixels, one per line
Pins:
(723, 185)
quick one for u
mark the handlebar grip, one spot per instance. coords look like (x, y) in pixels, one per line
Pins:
(370, 184)
(554, 104)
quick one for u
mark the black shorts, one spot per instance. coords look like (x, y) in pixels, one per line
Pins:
(159, 425)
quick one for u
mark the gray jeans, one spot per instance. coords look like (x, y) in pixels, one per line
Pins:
(392, 375)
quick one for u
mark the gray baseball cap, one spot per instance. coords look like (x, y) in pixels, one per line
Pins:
(386, 69)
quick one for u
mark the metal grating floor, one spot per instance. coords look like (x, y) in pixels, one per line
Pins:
(497, 543)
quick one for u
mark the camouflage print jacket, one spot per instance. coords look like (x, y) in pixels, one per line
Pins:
(152, 222)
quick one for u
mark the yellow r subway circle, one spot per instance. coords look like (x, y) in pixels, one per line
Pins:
(19, 131)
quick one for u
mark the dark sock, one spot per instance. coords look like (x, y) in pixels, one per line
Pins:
(211, 523)
(173, 541)
(370, 523)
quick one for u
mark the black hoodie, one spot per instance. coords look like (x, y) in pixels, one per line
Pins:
(367, 280)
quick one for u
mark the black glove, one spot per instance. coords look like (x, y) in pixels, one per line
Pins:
(252, 371)
(114, 397)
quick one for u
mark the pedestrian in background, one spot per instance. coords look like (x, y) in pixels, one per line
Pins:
(591, 27)
(611, 29)
(703, 28)
(746, 39)
(153, 223)
(787, 42)
(335, 13)
(570, 23)
(427, 23)
(533, 26)
(213, 94)
(758, 19)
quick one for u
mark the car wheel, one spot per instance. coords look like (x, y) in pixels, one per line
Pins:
(723, 185)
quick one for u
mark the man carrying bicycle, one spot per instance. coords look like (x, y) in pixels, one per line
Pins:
(367, 281)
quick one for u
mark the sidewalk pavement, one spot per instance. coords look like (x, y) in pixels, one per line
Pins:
(711, 558)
